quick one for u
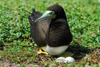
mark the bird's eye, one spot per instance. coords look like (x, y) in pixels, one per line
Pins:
(51, 12)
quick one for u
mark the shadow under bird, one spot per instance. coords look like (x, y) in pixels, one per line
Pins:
(50, 31)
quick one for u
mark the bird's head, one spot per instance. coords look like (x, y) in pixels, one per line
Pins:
(53, 12)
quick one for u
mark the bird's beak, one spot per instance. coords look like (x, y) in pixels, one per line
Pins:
(46, 15)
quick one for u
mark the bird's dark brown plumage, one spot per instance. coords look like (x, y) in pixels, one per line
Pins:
(54, 32)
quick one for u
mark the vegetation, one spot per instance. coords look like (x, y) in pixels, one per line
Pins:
(83, 18)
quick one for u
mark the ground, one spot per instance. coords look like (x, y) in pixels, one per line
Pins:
(82, 55)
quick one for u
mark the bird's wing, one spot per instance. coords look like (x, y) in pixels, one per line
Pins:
(38, 29)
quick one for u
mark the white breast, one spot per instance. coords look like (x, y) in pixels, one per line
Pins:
(55, 50)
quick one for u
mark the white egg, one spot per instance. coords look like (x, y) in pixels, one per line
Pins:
(69, 60)
(60, 60)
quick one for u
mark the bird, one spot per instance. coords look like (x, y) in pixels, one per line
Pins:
(50, 30)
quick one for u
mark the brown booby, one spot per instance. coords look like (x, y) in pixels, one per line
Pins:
(50, 31)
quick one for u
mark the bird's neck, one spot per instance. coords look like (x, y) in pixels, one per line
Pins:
(58, 18)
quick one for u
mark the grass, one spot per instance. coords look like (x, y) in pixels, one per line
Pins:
(83, 19)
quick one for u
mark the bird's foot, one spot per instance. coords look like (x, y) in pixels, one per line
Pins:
(66, 54)
(42, 50)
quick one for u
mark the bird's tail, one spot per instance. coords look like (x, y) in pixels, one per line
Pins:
(34, 15)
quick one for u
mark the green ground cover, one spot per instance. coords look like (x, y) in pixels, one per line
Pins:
(83, 18)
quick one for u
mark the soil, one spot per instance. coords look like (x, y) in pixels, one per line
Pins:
(80, 54)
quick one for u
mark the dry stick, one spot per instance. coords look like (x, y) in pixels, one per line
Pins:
(27, 11)
(94, 61)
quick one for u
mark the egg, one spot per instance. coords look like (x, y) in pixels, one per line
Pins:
(69, 60)
(60, 59)
(65, 60)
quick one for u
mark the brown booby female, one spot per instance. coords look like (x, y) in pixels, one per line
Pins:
(50, 30)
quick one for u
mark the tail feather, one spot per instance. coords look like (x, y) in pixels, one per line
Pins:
(34, 16)
(33, 11)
